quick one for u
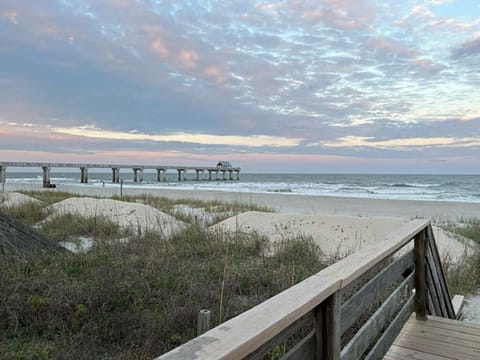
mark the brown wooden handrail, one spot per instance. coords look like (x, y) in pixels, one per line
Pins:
(252, 333)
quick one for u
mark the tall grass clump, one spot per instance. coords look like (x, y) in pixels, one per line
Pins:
(49, 197)
(464, 276)
(30, 213)
(139, 299)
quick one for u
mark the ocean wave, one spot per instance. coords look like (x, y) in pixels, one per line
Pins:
(287, 190)
(412, 185)
(355, 189)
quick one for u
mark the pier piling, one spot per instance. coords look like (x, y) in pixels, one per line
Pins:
(181, 174)
(46, 176)
(2, 174)
(84, 175)
(161, 175)
(115, 175)
(137, 174)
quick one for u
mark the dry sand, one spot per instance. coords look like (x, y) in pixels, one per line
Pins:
(11, 199)
(293, 203)
(337, 236)
(137, 217)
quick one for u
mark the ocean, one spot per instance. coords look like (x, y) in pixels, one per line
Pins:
(463, 188)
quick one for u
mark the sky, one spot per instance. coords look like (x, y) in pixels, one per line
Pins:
(303, 86)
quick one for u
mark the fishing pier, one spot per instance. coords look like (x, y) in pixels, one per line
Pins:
(224, 169)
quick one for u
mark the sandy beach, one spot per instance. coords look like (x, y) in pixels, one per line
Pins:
(291, 203)
(339, 225)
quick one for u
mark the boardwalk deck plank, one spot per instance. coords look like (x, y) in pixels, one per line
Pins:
(436, 338)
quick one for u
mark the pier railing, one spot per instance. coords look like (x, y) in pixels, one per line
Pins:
(350, 310)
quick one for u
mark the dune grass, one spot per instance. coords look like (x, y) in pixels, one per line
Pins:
(464, 276)
(137, 299)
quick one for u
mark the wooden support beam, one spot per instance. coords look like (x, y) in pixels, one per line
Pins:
(327, 328)
(420, 250)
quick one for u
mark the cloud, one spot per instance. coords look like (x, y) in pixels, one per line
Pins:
(205, 139)
(428, 65)
(404, 143)
(188, 59)
(467, 48)
(301, 72)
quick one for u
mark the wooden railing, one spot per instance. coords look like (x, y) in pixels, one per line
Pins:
(350, 310)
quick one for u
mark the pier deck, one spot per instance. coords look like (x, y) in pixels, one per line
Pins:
(435, 339)
(137, 170)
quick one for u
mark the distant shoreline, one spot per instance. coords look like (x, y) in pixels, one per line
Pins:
(291, 203)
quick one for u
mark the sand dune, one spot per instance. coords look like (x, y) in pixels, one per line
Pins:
(336, 235)
(11, 199)
(138, 217)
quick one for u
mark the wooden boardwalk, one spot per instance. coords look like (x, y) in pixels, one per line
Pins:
(358, 308)
(435, 339)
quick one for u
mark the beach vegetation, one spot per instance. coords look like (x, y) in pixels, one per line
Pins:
(49, 197)
(29, 213)
(464, 276)
(138, 298)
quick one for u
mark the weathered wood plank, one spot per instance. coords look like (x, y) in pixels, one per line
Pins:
(241, 335)
(386, 340)
(432, 328)
(458, 302)
(356, 305)
(17, 237)
(433, 302)
(441, 274)
(460, 326)
(327, 329)
(402, 353)
(420, 245)
(304, 321)
(437, 346)
(372, 328)
(440, 337)
(305, 349)
(433, 283)
(350, 289)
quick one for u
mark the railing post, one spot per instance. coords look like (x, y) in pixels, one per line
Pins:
(420, 244)
(327, 328)
(203, 324)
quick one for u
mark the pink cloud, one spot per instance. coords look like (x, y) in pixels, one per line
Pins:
(343, 14)
(159, 48)
(215, 73)
(188, 59)
(10, 15)
(428, 65)
(391, 47)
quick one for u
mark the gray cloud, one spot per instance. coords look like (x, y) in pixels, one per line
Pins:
(467, 48)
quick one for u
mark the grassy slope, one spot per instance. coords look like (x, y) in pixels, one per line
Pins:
(136, 299)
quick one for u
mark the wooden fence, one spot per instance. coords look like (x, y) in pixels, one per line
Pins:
(16, 237)
(353, 309)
